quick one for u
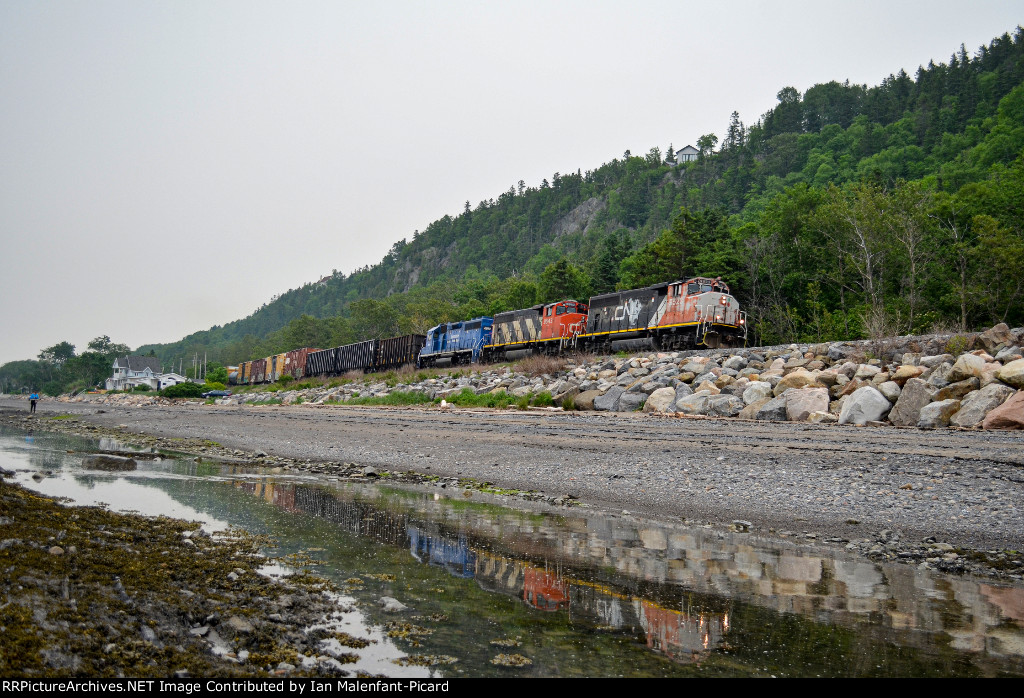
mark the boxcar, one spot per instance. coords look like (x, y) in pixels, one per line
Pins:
(259, 371)
(275, 367)
(295, 361)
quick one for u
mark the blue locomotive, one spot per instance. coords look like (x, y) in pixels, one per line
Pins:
(453, 343)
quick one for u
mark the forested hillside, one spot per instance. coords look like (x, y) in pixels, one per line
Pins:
(842, 212)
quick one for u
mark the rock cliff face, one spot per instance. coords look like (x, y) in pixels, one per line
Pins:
(902, 381)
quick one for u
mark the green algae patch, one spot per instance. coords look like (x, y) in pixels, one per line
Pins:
(89, 592)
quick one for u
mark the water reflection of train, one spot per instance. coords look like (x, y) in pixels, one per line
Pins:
(675, 588)
(454, 556)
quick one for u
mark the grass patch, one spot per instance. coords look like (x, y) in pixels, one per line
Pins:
(62, 416)
(395, 398)
(543, 399)
(467, 398)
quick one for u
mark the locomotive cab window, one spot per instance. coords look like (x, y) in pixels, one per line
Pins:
(560, 310)
(692, 288)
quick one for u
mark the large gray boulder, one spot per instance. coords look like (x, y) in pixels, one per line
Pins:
(683, 390)
(891, 390)
(758, 390)
(631, 402)
(773, 411)
(976, 406)
(724, 405)
(864, 405)
(609, 401)
(939, 376)
(801, 403)
(916, 394)
(697, 403)
(936, 415)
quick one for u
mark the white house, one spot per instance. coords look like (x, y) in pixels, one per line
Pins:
(130, 371)
(687, 154)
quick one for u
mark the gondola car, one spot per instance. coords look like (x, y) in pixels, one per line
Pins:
(456, 343)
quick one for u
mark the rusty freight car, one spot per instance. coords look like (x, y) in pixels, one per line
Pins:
(295, 361)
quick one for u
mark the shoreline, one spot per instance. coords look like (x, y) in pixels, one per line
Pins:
(991, 547)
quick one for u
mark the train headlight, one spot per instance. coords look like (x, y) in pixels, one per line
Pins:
(742, 321)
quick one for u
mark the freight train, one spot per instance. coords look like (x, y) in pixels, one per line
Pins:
(672, 315)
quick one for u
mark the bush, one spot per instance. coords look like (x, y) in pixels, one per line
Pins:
(543, 399)
(213, 385)
(182, 390)
(142, 388)
(285, 379)
(957, 345)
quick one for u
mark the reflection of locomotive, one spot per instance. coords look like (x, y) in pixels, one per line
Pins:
(453, 555)
(544, 590)
(672, 315)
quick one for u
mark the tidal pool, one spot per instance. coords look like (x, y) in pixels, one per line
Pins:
(565, 592)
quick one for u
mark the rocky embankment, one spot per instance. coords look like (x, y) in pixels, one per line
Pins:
(935, 381)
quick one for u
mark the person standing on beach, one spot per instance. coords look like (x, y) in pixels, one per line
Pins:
(32, 402)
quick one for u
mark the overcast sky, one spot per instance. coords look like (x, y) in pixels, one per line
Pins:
(167, 166)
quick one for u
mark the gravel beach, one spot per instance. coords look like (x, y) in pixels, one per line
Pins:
(844, 483)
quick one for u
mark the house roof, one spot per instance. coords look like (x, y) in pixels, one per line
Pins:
(138, 363)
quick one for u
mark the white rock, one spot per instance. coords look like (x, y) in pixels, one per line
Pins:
(864, 405)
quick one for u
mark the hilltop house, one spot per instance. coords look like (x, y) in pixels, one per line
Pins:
(130, 371)
(687, 154)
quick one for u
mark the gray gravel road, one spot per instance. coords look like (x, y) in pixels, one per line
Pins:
(964, 487)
